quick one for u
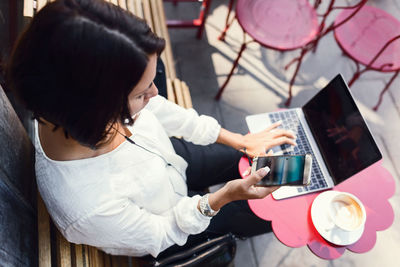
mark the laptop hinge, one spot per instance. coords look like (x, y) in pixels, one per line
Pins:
(318, 144)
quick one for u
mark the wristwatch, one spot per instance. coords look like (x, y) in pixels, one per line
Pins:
(205, 208)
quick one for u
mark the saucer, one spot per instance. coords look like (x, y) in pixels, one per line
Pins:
(320, 219)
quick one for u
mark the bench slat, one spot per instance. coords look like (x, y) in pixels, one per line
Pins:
(63, 251)
(131, 6)
(44, 234)
(107, 260)
(122, 4)
(79, 259)
(186, 96)
(85, 255)
(147, 13)
(134, 262)
(168, 49)
(120, 261)
(124, 261)
(178, 93)
(95, 257)
(170, 91)
(40, 4)
(28, 9)
(157, 22)
(158, 30)
(139, 9)
(155, 17)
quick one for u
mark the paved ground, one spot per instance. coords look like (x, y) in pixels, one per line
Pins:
(260, 85)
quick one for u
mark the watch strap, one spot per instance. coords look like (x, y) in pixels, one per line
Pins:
(205, 208)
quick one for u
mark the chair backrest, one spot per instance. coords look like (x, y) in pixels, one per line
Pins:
(18, 216)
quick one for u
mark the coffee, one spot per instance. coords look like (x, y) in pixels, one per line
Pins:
(347, 212)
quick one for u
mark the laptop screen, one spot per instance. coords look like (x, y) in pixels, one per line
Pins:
(344, 140)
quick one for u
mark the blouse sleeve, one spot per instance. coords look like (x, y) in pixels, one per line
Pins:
(122, 225)
(178, 121)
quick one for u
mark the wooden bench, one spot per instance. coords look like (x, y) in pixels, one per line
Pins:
(54, 249)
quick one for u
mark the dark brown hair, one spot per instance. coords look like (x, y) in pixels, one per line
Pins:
(76, 63)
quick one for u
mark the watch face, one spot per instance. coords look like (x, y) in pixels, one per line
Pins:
(205, 208)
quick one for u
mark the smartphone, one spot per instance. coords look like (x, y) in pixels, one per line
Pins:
(285, 170)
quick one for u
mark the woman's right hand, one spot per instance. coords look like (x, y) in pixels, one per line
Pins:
(241, 189)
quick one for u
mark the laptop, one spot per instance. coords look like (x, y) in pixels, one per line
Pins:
(332, 129)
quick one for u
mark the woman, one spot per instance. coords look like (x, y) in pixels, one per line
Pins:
(106, 167)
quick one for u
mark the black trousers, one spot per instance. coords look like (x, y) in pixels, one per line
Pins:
(211, 165)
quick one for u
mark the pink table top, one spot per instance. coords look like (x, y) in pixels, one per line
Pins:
(291, 218)
(281, 25)
(366, 33)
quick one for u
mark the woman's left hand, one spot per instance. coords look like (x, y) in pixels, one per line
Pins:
(257, 144)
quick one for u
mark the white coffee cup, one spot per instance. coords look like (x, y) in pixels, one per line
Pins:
(346, 212)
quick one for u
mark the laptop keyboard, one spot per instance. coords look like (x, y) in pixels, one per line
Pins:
(290, 121)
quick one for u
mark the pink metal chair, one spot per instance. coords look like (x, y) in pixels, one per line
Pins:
(195, 23)
(372, 39)
(283, 25)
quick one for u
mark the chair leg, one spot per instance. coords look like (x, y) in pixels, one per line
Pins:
(227, 23)
(299, 61)
(317, 3)
(202, 17)
(385, 89)
(356, 74)
(195, 23)
(219, 94)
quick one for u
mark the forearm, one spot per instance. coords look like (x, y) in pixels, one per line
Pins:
(231, 139)
(218, 199)
(256, 144)
(240, 189)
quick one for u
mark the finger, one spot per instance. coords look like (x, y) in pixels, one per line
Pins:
(274, 188)
(262, 191)
(256, 176)
(273, 126)
(262, 154)
(282, 140)
(282, 132)
(251, 153)
(265, 154)
(246, 172)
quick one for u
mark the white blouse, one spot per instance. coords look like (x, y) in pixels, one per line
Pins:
(130, 201)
